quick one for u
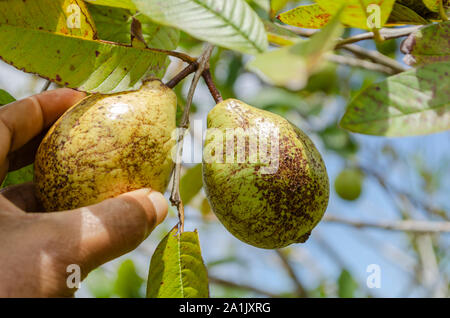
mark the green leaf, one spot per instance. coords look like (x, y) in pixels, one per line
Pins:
(307, 16)
(99, 284)
(422, 10)
(433, 5)
(275, 6)
(291, 66)
(428, 45)
(347, 285)
(5, 98)
(177, 269)
(114, 24)
(125, 4)
(415, 102)
(66, 56)
(232, 24)
(128, 283)
(355, 13)
(402, 15)
(20, 176)
(191, 183)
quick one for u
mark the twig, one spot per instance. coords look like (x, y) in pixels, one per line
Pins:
(175, 198)
(287, 266)
(191, 68)
(386, 33)
(416, 226)
(182, 56)
(375, 56)
(356, 62)
(219, 281)
(46, 86)
(211, 86)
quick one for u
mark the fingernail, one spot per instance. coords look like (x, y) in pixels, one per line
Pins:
(160, 204)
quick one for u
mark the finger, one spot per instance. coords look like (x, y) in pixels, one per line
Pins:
(22, 120)
(7, 206)
(25, 155)
(22, 196)
(113, 227)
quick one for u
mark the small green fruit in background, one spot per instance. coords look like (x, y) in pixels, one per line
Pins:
(107, 145)
(348, 184)
(261, 206)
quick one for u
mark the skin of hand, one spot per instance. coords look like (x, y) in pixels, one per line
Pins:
(37, 248)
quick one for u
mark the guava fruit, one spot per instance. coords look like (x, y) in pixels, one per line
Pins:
(348, 184)
(268, 199)
(107, 145)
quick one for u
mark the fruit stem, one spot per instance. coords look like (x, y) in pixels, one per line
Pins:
(175, 197)
(212, 87)
(188, 70)
(191, 68)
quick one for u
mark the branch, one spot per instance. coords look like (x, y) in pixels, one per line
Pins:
(375, 56)
(175, 198)
(386, 34)
(356, 62)
(290, 270)
(182, 56)
(226, 283)
(416, 226)
(212, 87)
(191, 68)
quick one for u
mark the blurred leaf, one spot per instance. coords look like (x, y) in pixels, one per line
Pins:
(401, 15)
(291, 66)
(232, 24)
(99, 284)
(275, 6)
(280, 36)
(411, 103)
(433, 5)
(271, 98)
(325, 80)
(428, 45)
(355, 13)
(5, 98)
(338, 140)
(20, 176)
(205, 209)
(347, 285)
(191, 183)
(319, 291)
(388, 47)
(177, 269)
(310, 16)
(128, 283)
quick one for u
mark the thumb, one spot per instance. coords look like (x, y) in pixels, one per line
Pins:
(112, 228)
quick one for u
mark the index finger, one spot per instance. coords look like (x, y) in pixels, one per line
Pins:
(24, 119)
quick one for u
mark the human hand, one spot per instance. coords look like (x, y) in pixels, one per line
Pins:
(37, 248)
